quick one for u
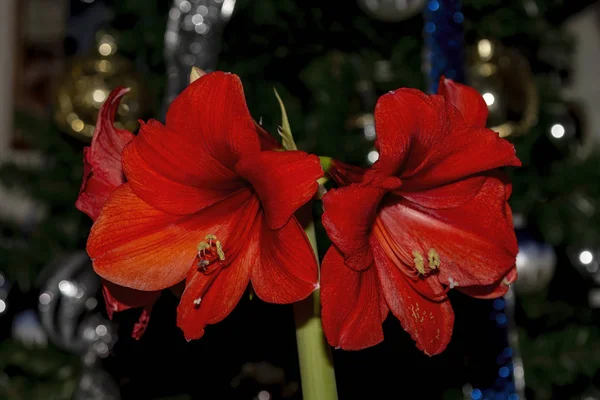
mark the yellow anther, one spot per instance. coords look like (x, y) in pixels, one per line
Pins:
(434, 259)
(210, 237)
(202, 246)
(220, 251)
(419, 262)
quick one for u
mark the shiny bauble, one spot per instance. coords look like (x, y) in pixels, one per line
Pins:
(504, 79)
(536, 263)
(392, 10)
(87, 82)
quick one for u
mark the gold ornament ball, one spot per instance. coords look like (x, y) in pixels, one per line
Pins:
(503, 77)
(86, 83)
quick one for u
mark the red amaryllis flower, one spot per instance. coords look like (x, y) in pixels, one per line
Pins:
(205, 203)
(430, 215)
(102, 174)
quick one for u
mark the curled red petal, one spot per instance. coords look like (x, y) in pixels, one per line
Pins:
(353, 308)
(174, 174)
(348, 217)
(467, 100)
(344, 174)
(425, 141)
(103, 172)
(283, 180)
(120, 298)
(287, 270)
(493, 291)
(212, 111)
(428, 322)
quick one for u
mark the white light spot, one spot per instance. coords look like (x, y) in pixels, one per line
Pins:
(489, 99)
(2, 306)
(101, 330)
(202, 10)
(373, 156)
(201, 28)
(105, 49)
(485, 48)
(185, 6)
(91, 303)
(45, 298)
(174, 13)
(227, 8)
(67, 288)
(264, 395)
(586, 257)
(557, 131)
(369, 131)
(197, 19)
(99, 95)
(519, 373)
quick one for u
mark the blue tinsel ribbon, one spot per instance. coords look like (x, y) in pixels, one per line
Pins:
(444, 42)
(444, 55)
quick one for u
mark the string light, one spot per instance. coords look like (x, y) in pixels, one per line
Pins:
(586, 257)
(373, 156)
(557, 131)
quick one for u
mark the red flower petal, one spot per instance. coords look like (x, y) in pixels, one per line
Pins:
(120, 298)
(493, 291)
(468, 101)
(267, 141)
(474, 242)
(287, 270)
(283, 180)
(425, 141)
(174, 174)
(447, 196)
(428, 322)
(219, 292)
(213, 111)
(344, 174)
(348, 217)
(352, 312)
(135, 245)
(102, 160)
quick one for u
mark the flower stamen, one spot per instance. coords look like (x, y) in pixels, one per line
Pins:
(210, 252)
(434, 259)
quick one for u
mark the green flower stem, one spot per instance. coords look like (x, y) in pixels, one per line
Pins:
(314, 354)
(325, 163)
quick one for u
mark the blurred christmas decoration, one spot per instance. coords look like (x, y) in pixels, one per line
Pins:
(87, 82)
(393, 10)
(443, 54)
(4, 289)
(67, 305)
(504, 78)
(28, 330)
(266, 379)
(536, 262)
(193, 38)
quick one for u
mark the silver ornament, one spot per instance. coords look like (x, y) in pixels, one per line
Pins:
(536, 263)
(67, 306)
(392, 10)
(96, 384)
(193, 38)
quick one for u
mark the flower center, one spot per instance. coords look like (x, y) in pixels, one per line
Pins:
(210, 253)
(415, 265)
